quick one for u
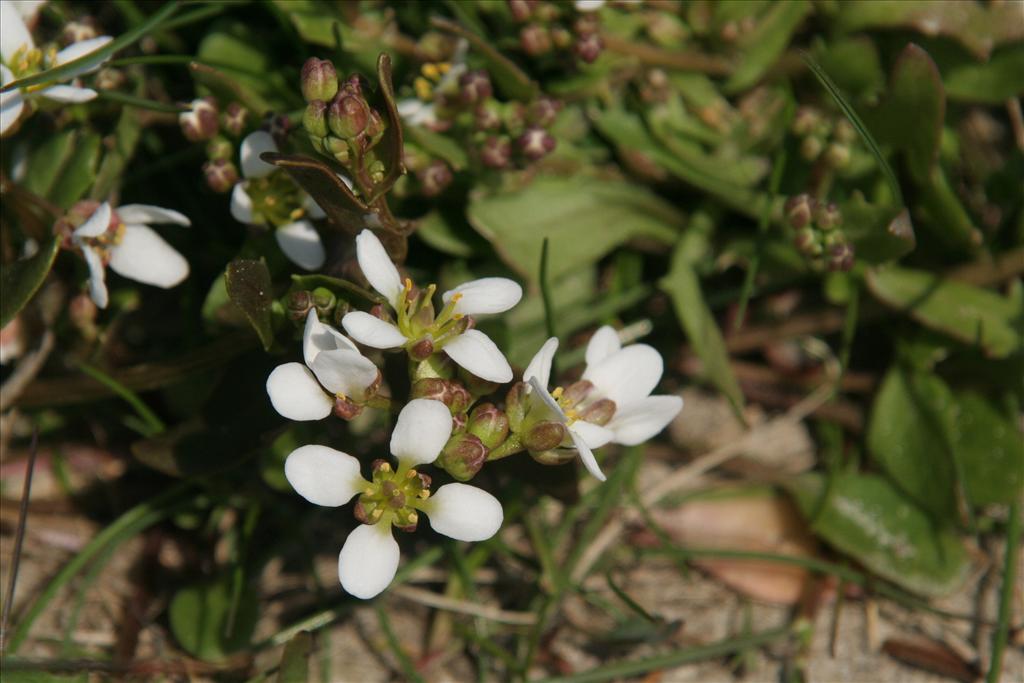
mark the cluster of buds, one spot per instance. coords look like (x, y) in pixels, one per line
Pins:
(220, 129)
(822, 137)
(299, 302)
(819, 236)
(547, 29)
(340, 122)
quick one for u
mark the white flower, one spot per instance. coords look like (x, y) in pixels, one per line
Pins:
(421, 110)
(416, 323)
(369, 558)
(334, 368)
(20, 58)
(123, 240)
(623, 376)
(588, 5)
(298, 239)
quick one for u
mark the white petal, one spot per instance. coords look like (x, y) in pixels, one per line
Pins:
(540, 399)
(97, 275)
(323, 476)
(317, 337)
(421, 431)
(475, 351)
(96, 224)
(241, 205)
(301, 243)
(368, 560)
(415, 112)
(588, 5)
(344, 372)
(464, 512)
(540, 364)
(295, 393)
(587, 456)
(68, 93)
(253, 145)
(640, 420)
(604, 343)
(145, 257)
(79, 49)
(593, 435)
(371, 331)
(376, 265)
(313, 209)
(13, 32)
(28, 9)
(11, 103)
(147, 214)
(486, 295)
(627, 375)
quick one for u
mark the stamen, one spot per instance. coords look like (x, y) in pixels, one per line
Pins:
(408, 285)
(296, 214)
(423, 88)
(270, 200)
(456, 296)
(411, 474)
(458, 316)
(385, 467)
(342, 396)
(376, 515)
(424, 494)
(444, 67)
(557, 393)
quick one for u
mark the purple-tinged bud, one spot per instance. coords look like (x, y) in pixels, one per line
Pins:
(799, 210)
(535, 40)
(459, 421)
(474, 86)
(375, 127)
(363, 510)
(220, 148)
(423, 349)
(521, 10)
(319, 80)
(599, 412)
(201, 122)
(535, 143)
(827, 216)
(435, 178)
(489, 424)
(476, 386)
(77, 31)
(314, 119)
(586, 25)
(380, 312)
(589, 47)
(221, 175)
(496, 152)
(348, 117)
(109, 78)
(554, 456)
(234, 119)
(463, 456)
(576, 392)
(806, 241)
(487, 117)
(544, 111)
(346, 409)
(449, 392)
(840, 257)
(545, 435)
(844, 132)
(299, 303)
(516, 401)
(561, 37)
(380, 465)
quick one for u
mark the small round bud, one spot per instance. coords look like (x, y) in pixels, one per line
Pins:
(423, 349)
(449, 392)
(827, 216)
(348, 116)
(314, 119)
(562, 37)
(489, 424)
(806, 240)
(544, 436)
(463, 456)
(588, 48)
(544, 111)
(474, 86)
(810, 148)
(221, 175)
(496, 152)
(516, 402)
(234, 119)
(346, 409)
(799, 209)
(319, 80)
(840, 257)
(299, 302)
(337, 148)
(805, 121)
(837, 155)
(844, 132)
(535, 143)
(200, 123)
(220, 148)
(435, 178)
(535, 40)
(324, 300)
(487, 117)
(521, 10)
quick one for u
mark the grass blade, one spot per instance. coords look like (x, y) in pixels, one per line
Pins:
(1001, 635)
(153, 423)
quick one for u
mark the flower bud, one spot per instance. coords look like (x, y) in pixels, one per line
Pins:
(599, 412)
(521, 10)
(844, 132)
(489, 424)
(375, 127)
(220, 148)
(449, 392)
(346, 409)
(423, 349)
(798, 210)
(578, 391)
(554, 456)
(201, 122)
(319, 80)
(588, 48)
(463, 456)
(837, 155)
(535, 143)
(827, 216)
(561, 37)
(487, 117)
(221, 175)
(535, 40)
(474, 86)
(234, 119)
(337, 148)
(805, 121)
(806, 241)
(314, 119)
(810, 148)
(324, 300)
(496, 152)
(543, 111)
(840, 257)
(77, 31)
(516, 402)
(545, 435)
(299, 302)
(435, 178)
(348, 117)
(476, 386)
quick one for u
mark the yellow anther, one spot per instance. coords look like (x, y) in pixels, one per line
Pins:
(557, 393)
(368, 490)
(457, 296)
(377, 514)
(385, 467)
(413, 517)
(431, 71)
(423, 88)
(342, 396)
(412, 474)
(296, 214)
(457, 316)
(270, 200)
(408, 285)
(444, 67)
(425, 493)
(572, 414)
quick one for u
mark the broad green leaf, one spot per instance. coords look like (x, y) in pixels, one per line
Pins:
(964, 312)
(294, 666)
(878, 233)
(236, 53)
(990, 449)
(79, 173)
(47, 161)
(994, 82)
(763, 46)
(854, 65)
(683, 286)
(249, 287)
(20, 280)
(439, 146)
(867, 518)
(199, 617)
(909, 436)
(584, 219)
(448, 235)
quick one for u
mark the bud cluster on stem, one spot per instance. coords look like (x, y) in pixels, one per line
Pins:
(818, 233)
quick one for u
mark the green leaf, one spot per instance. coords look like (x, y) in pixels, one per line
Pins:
(439, 146)
(854, 65)
(879, 234)
(20, 280)
(294, 666)
(909, 436)
(249, 287)
(964, 312)
(990, 449)
(584, 219)
(126, 138)
(199, 617)
(867, 518)
(79, 173)
(683, 286)
(98, 56)
(763, 46)
(449, 235)
(47, 161)
(994, 82)
(322, 183)
(238, 65)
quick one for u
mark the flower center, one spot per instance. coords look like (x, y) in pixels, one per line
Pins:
(432, 74)
(418, 322)
(276, 198)
(393, 496)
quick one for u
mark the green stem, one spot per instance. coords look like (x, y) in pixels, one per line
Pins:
(1001, 634)
(512, 445)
